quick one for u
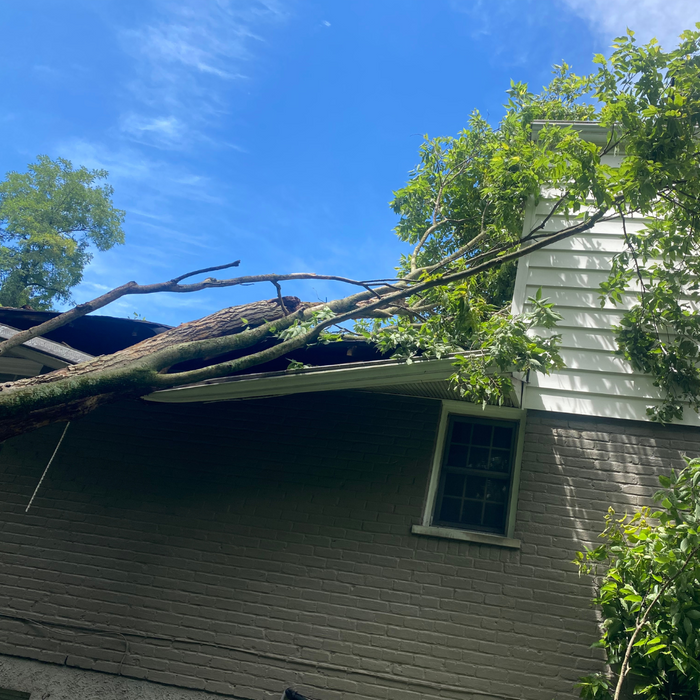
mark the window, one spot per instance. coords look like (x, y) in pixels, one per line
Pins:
(476, 474)
(472, 492)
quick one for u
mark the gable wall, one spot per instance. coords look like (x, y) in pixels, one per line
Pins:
(595, 381)
(274, 536)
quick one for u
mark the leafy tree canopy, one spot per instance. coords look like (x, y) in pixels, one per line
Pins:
(49, 217)
(465, 202)
(649, 595)
(462, 214)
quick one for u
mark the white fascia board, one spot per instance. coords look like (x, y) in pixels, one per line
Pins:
(366, 375)
(590, 131)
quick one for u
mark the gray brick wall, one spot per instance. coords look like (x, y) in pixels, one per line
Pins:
(240, 548)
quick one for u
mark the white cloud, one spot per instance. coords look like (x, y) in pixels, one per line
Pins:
(487, 18)
(197, 42)
(662, 19)
(187, 57)
(142, 176)
(158, 131)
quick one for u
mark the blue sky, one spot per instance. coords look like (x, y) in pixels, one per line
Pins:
(273, 131)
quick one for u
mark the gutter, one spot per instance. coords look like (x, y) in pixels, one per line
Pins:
(361, 375)
(589, 131)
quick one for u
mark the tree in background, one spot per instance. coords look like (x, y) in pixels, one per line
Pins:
(462, 213)
(649, 595)
(49, 218)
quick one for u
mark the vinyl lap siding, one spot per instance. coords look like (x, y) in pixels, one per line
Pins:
(595, 382)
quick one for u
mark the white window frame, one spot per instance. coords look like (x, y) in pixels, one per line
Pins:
(459, 408)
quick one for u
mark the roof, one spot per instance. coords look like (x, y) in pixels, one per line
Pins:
(76, 342)
(94, 335)
(62, 353)
(347, 364)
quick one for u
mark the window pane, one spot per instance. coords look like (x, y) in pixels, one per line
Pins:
(475, 482)
(500, 460)
(450, 509)
(496, 490)
(479, 458)
(471, 513)
(503, 437)
(454, 485)
(482, 434)
(476, 486)
(494, 515)
(461, 432)
(457, 456)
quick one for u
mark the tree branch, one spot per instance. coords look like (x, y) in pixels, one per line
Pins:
(176, 280)
(438, 206)
(172, 285)
(624, 669)
(279, 297)
(138, 370)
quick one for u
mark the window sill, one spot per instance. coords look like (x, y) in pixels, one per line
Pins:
(466, 536)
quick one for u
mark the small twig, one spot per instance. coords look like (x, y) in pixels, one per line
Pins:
(458, 253)
(675, 202)
(386, 280)
(633, 252)
(465, 274)
(544, 221)
(482, 230)
(436, 210)
(173, 285)
(278, 287)
(434, 226)
(235, 263)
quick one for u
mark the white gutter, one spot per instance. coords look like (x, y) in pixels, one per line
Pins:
(361, 375)
(589, 131)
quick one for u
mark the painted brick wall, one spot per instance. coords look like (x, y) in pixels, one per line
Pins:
(245, 547)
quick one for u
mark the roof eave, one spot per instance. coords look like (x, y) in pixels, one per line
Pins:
(63, 353)
(364, 375)
(590, 131)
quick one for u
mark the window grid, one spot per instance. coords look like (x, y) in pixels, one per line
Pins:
(475, 474)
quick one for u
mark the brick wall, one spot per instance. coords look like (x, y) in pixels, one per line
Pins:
(240, 548)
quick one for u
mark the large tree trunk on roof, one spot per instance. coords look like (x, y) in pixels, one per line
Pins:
(137, 370)
(74, 391)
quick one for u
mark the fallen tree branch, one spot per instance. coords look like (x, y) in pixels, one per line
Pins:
(140, 369)
(173, 285)
(88, 307)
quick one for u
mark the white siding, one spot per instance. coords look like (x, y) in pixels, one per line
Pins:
(596, 382)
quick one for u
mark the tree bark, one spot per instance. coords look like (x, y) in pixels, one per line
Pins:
(141, 369)
(76, 390)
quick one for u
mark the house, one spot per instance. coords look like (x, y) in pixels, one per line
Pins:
(351, 530)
